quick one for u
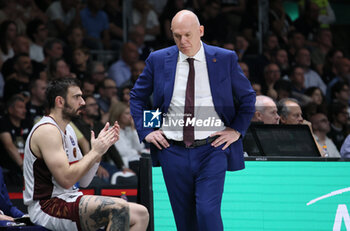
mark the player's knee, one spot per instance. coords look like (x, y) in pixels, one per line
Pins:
(141, 213)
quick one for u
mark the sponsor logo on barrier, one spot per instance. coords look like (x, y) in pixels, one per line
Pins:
(342, 212)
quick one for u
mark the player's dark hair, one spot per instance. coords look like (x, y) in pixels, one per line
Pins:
(59, 87)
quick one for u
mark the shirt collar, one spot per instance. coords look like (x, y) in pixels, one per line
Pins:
(199, 56)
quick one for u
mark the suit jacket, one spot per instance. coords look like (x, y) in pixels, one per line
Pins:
(233, 96)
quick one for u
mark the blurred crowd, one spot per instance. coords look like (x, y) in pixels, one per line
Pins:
(41, 40)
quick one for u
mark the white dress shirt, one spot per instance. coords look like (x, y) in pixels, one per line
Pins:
(204, 106)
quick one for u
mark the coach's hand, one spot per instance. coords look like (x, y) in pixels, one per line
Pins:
(228, 136)
(158, 139)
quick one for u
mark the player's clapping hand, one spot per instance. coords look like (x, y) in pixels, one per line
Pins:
(107, 137)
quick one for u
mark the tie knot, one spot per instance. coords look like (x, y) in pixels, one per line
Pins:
(190, 60)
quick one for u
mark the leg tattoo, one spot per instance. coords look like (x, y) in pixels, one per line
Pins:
(120, 219)
(101, 214)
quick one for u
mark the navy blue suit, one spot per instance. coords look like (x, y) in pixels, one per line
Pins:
(233, 99)
(5, 203)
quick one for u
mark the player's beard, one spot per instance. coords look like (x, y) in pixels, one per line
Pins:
(68, 113)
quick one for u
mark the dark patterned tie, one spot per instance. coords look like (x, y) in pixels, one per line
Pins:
(188, 135)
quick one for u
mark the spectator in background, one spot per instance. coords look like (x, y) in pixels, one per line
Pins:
(241, 47)
(10, 12)
(296, 41)
(324, 43)
(7, 210)
(228, 45)
(316, 96)
(21, 46)
(294, 88)
(107, 91)
(136, 71)
(258, 65)
(58, 68)
(309, 110)
(307, 23)
(281, 59)
(29, 10)
(329, 71)
(80, 62)
(320, 128)
(62, 14)
(18, 82)
(279, 21)
(326, 15)
(75, 37)
(342, 67)
(271, 75)
(233, 11)
(137, 36)
(95, 23)
(169, 11)
(244, 68)
(8, 33)
(14, 129)
(87, 87)
(257, 88)
(283, 88)
(53, 49)
(125, 94)
(265, 110)
(297, 79)
(341, 93)
(96, 72)
(144, 15)
(250, 23)
(128, 144)
(338, 114)
(215, 23)
(290, 113)
(345, 148)
(73, 40)
(158, 5)
(37, 104)
(114, 10)
(311, 78)
(270, 45)
(120, 71)
(37, 32)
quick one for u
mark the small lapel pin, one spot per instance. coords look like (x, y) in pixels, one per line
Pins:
(214, 60)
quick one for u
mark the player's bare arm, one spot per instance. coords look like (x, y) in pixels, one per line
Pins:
(50, 148)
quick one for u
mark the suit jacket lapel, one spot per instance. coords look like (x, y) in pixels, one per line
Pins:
(211, 59)
(170, 62)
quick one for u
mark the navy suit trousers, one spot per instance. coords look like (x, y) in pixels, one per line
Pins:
(195, 178)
